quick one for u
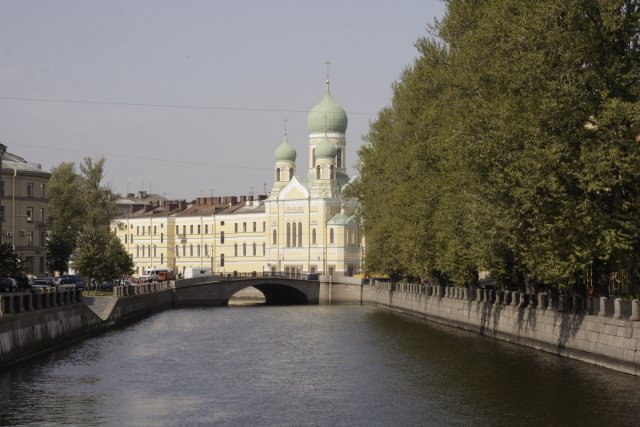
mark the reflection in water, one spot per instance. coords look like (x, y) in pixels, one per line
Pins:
(311, 365)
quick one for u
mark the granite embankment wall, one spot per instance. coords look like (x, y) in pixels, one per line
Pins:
(32, 323)
(601, 331)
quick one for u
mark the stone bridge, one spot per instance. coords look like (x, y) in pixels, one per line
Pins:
(217, 290)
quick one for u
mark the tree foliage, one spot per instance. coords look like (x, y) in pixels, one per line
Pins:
(511, 145)
(81, 208)
(10, 265)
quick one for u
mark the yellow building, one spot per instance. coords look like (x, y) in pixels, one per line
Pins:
(303, 226)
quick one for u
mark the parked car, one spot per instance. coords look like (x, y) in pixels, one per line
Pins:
(312, 276)
(45, 284)
(71, 279)
(8, 284)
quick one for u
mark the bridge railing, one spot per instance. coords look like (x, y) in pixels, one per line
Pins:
(262, 274)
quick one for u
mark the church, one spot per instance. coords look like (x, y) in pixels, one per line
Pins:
(304, 224)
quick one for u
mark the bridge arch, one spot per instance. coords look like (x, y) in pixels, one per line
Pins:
(218, 291)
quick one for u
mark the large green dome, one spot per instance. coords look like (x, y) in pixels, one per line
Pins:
(327, 115)
(326, 150)
(285, 151)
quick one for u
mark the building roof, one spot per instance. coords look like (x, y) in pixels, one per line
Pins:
(12, 162)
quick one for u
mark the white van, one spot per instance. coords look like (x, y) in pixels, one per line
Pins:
(190, 272)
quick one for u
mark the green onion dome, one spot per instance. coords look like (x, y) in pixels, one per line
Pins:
(327, 115)
(326, 150)
(285, 151)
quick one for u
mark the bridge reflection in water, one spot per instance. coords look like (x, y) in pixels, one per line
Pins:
(277, 288)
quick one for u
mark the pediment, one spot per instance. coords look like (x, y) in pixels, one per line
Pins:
(294, 190)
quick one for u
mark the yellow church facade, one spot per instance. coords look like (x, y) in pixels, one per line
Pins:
(304, 225)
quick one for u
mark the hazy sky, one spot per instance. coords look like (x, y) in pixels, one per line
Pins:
(213, 82)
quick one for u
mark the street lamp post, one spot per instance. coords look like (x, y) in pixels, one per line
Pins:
(3, 149)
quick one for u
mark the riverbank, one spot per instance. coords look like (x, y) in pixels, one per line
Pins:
(599, 331)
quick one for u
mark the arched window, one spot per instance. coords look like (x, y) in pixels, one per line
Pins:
(288, 235)
(339, 158)
(300, 234)
(294, 240)
(318, 176)
(331, 236)
(290, 173)
(313, 157)
(254, 250)
(313, 236)
(274, 239)
(277, 174)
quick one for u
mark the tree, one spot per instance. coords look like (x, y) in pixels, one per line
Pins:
(66, 215)
(511, 146)
(10, 265)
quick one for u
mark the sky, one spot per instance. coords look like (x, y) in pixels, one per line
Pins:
(189, 98)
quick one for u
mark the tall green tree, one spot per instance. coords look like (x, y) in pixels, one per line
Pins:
(66, 215)
(510, 146)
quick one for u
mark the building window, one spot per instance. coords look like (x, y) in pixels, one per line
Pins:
(198, 228)
(162, 258)
(235, 227)
(177, 229)
(331, 236)
(221, 222)
(331, 271)
(154, 230)
(254, 250)
(42, 190)
(142, 247)
(191, 229)
(177, 251)
(331, 172)
(30, 190)
(137, 230)
(274, 238)
(137, 251)
(254, 227)
(131, 239)
(244, 227)
(277, 174)
(161, 237)
(313, 236)
(244, 249)
(206, 229)
(154, 251)
(29, 214)
(125, 239)
(294, 236)
(290, 173)
(2, 213)
(2, 190)
(41, 214)
(198, 250)
(339, 158)
(264, 226)
(300, 234)
(184, 250)
(235, 249)
(190, 250)
(264, 247)
(149, 229)
(222, 237)
(318, 172)
(221, 260)
(206, 250)
(184, 230)
(288, 235)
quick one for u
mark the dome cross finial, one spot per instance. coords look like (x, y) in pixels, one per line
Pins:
(285, 126)
(328, 64)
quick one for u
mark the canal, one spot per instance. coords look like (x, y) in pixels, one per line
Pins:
(311, 365)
